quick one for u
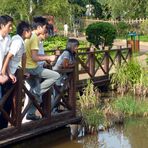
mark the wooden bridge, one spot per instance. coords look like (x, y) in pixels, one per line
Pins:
(91, 64)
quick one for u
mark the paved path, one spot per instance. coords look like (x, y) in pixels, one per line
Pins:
(119, 42)
(143, 45)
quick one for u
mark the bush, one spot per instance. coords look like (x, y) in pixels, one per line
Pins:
(101, 33)
(143, 27)
(122, 28)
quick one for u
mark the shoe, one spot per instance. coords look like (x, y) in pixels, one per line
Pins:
(32, 117)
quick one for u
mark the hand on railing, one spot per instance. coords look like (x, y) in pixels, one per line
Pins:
(13, 78)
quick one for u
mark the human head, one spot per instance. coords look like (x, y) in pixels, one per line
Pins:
(39, 24)
(24, 30)
(44, 36)
(72, 45)
(6, 24)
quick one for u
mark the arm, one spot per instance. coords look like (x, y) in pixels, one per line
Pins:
(66, 64)
(37, 57)
(6, 62)
(5, 67)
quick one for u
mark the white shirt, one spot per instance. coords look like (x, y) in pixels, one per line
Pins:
(17, 49)
(4, 48)
(65, 27)
(41, 52)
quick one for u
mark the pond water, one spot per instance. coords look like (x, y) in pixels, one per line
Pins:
(133, 134)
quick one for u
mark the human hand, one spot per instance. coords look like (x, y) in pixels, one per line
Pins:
(3, 79)
(13, 78)
(51, 58)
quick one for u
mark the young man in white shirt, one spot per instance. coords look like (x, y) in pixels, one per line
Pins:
(5, 28)
(15, 55)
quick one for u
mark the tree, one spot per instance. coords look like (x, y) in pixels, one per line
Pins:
(128, 9)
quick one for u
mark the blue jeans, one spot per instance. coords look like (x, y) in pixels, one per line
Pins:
(48, 76)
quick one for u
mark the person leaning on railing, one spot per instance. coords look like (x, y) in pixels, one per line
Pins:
(49, 76)
(64, 61)
(5, 28)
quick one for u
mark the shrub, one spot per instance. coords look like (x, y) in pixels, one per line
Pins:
(101, 33)
(122, 28)
(143, 27)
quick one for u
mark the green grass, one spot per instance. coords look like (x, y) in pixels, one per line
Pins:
(143, 38)
(131, 106)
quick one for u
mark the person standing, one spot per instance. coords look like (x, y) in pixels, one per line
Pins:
(17, 53)
(66, 29)
(32, 67)
(5, 28)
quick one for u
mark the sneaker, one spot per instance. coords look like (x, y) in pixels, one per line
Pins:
(32, 117)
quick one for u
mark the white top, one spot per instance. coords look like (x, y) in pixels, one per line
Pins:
(4, 48)
(41, 52)
(17, 49)
(65, 27)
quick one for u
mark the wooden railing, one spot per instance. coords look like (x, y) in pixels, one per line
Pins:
(65, 101)
(98, 65)
(91, 64)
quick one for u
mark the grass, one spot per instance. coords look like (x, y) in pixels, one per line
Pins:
(130, 106)
(143, 38)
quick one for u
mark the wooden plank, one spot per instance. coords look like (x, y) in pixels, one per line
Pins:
(38, 131)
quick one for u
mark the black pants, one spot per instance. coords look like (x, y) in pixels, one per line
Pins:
(7, 105)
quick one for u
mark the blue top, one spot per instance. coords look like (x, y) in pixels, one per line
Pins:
(65, 55)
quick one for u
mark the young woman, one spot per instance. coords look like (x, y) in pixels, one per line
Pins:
(67, 58)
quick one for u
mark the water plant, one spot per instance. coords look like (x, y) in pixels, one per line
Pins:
(88, 105)
(130, 106)
(130, 77)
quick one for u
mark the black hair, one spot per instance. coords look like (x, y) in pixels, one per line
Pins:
(4, 19)
(22, 26)
(39, 21)
(72, 43)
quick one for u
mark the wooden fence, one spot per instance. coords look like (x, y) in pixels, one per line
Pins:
(129, 21)
(91, 64)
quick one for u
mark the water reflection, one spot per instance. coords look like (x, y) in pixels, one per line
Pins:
(134, 134)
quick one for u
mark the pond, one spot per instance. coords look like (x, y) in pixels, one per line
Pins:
(133, 134)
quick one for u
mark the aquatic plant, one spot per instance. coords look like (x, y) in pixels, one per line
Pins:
(130, 106)
(88, 105)
(130, 76)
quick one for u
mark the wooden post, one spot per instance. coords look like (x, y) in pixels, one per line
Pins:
(19, 98)
(46, 101)
(92, 61)
(130, 53)
(77, 70)
(119, 55)
(72, 93)
(106, 62)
